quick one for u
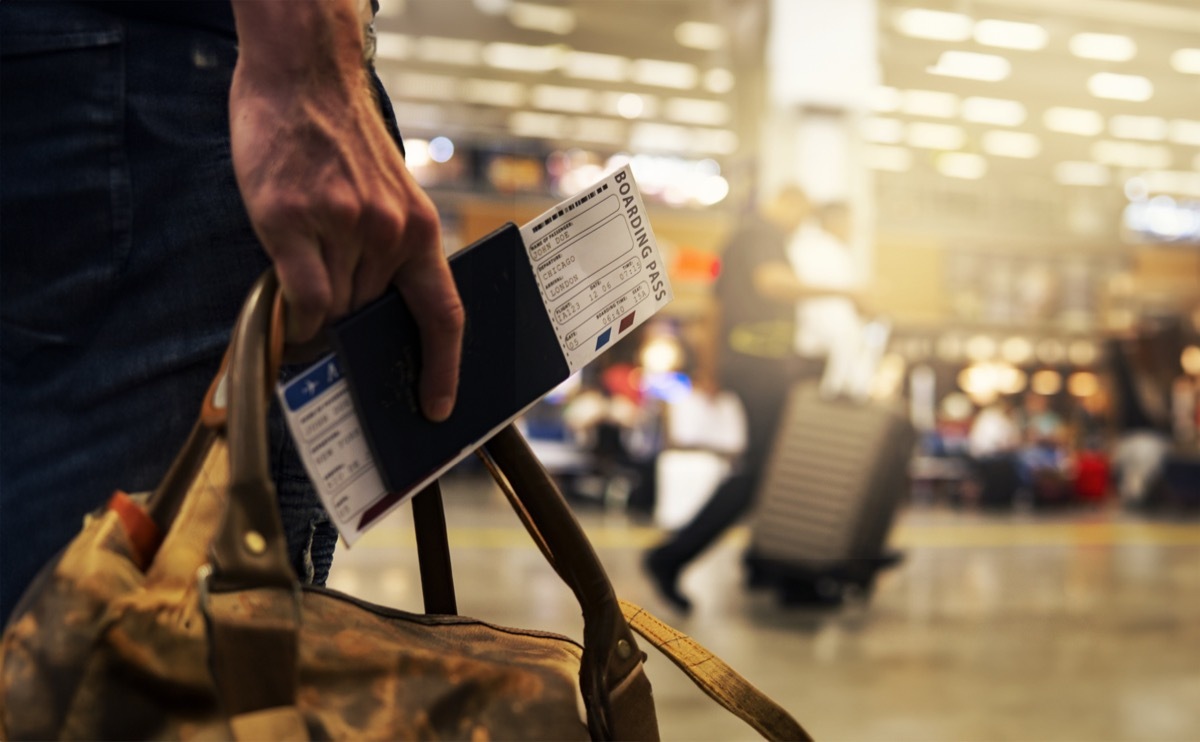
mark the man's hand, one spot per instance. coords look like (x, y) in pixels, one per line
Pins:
(326, 188)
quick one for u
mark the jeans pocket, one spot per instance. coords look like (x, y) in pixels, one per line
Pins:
(65, 184)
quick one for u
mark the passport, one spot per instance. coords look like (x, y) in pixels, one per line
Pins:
(511, 358)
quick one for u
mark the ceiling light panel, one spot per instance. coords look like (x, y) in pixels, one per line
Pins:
(1131, 154)
(665, 74)
(1149, 128)
(1176, 182)
(1184, 131)
(652, 137)
(1016, 144)
(1010, 35)
(930, 103)
(964, 165)
(1079, 121)
(707, 37)
(441, 50)
(933, 24)
(523, 57)
(426, 86)
(886, 99)
(972, 66)
(501, 93)
(1082, 173)
(697, 111)
(1186, 61)
(995, 111)
(534, 17)
(883, 130)
(390, 45)
(538, 125)
(935, 136)
(1113, 86)
(591, 66)
(1105, 47)
(629, 105)
(563, 98)
(719, 80)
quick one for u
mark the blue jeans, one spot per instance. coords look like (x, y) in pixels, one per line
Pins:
(126, 253)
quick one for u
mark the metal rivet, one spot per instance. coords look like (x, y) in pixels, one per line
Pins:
(624, 649)
(255, 543)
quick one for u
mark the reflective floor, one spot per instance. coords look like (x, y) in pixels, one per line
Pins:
(1079, 626)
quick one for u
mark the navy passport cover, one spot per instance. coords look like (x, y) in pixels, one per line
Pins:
(511, 358)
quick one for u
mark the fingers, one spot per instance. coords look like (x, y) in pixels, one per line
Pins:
(304, 280)
(429, 291)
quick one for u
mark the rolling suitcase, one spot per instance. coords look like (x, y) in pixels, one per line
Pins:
(835, 475)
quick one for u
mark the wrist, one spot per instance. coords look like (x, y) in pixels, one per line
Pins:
(281, 42)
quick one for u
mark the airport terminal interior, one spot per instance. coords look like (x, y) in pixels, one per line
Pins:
(1010, 190)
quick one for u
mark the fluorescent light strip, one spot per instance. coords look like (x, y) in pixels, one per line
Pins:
(523, 57)
(1131, 154)
(562, 98)
(1149, 128)
(707, 37)
(886, 99)
(697, 111)
(972, 66)
(964, 165)
(1103, 46)
(1017, 144)
(1079, 121)
(665, 74)
(592, 66)
(933, 24)
(719, 80)
(1184, 131)
(426, 86)
(996, 111)
(500, 93)
(935, 136)
(648, 136)
(532, 17)
(390, 45)
(1186, 61)
(538, 125)
(1113, 86)
(1082, 173)
(930, 103)
(1010, 35)
(442, 50)
(883, 130)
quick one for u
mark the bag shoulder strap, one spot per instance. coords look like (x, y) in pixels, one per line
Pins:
(720, 681)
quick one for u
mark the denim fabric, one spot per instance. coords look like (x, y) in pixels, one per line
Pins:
(125, 253)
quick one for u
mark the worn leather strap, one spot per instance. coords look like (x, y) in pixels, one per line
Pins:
(250, 598)
(717, 679)
(433, 551)
(610, 653)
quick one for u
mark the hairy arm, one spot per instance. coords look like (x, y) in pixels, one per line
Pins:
(326, 188)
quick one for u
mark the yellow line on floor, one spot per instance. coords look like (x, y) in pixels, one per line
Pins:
(961, 535)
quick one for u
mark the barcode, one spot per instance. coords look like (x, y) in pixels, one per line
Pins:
(568, 208)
